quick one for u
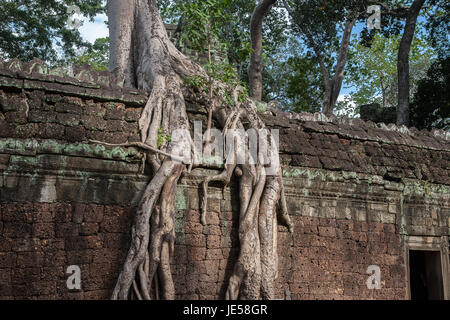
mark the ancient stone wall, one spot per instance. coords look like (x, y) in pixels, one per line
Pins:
(376, 113)
(359, 194)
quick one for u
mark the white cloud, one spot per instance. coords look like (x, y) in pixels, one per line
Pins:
(90, 31)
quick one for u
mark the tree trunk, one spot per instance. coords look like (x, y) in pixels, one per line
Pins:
(333, 89)
(255, 68)
(383, 91)
(142, 55)
(120, 33)
(326, 102)
(403, 63)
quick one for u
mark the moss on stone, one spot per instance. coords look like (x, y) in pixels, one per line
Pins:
(77, 149)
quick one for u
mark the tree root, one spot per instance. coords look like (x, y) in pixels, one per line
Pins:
(224, 177)
(159, 66)
(139, 145)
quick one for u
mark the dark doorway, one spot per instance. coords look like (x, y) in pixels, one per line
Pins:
(425, 275)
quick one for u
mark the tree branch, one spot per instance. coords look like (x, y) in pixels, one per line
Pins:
(255, 67)
(342, 61)
(313, 43)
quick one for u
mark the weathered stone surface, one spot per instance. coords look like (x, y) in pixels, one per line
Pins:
(355, 191)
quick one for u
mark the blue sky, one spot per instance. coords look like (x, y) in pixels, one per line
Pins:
(96, 29)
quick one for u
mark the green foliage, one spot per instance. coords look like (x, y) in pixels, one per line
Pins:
(243, 94)
(236, 33)
(391, 25)
(229, 28)
(226, 96)
(373, 70)
(430, 107)
(346, 107)
(293, 78)
(197, 82)
(38, 29)
(261, 107)
(323, 20)
(319, 25)
(222, 71)
(437, 24)
(304, 84)
(96, 55)
(291, 75)
(169, 11)
(202, 21)
(219, 71)
(162, 138)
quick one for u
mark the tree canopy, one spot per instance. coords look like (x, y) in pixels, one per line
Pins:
(313, 52)
(373, 70)
(430, 106)
(39, 29)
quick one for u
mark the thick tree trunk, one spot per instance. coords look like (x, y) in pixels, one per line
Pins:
(333, 87)
(326, 102)
(143, 55)
(120, 35)
(256, 67)
(403, 63)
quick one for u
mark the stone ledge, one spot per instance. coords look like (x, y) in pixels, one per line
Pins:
(79, 81)
(356, 129)
(21, 187)
(344, 121)
(32, 147)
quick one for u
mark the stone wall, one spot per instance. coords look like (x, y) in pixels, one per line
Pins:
(374, 112)
(359, 194)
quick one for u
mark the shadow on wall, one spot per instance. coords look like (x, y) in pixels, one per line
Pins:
(374, 112)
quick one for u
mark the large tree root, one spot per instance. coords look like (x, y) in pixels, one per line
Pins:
(159, 66)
